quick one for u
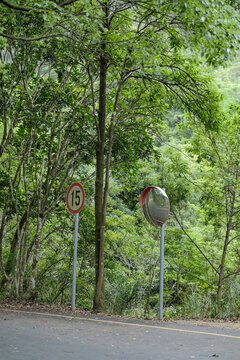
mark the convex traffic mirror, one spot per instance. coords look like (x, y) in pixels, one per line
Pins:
(155, 205)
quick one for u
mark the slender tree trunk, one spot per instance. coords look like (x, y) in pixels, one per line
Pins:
(221, 273)
(10, 261)
(32, 285)
(103, 164)
(99, 296)
(149, 288)
(224, 254)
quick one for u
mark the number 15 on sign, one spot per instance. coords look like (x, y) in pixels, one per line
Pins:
(75, 201)
(75, 198)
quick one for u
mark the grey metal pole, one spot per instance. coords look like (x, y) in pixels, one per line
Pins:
(74, 262)
(161, 272)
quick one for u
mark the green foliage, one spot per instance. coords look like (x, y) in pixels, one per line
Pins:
(204, 305)
(164, 110)
(227, 80)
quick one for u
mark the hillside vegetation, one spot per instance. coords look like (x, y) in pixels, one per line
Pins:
(120, 95)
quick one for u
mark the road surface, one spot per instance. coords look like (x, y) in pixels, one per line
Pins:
(32, 335)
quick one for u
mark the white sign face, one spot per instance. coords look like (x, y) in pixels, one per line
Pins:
(75, 198)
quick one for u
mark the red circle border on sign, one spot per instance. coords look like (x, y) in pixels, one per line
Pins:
(83, 199)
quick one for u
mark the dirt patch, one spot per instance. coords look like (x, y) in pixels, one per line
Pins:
(233, 324)
(37, 306)
(10, 304)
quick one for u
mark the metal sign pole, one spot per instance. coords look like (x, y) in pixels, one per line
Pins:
(161, 272)
(74, 262)
(156, 208)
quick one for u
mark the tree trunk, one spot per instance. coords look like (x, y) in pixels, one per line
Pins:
(224, 254)
(221, 273)
(100, 218)
(103, 164)
(32, 285)
(10, 261)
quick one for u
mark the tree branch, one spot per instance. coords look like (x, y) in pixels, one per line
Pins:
(69, 2)
(22, 38)
(233, 273)
(18, 7)
(190, 238)
(28, 9)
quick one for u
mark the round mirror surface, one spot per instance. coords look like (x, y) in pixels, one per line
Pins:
(155, 204)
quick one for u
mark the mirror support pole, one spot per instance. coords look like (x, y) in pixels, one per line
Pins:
(161, 272)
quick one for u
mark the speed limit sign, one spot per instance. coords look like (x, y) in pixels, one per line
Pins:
(75, 198)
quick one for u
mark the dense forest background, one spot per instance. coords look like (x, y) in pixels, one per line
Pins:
(105, 106)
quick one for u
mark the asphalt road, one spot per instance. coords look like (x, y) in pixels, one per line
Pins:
(39, 336)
